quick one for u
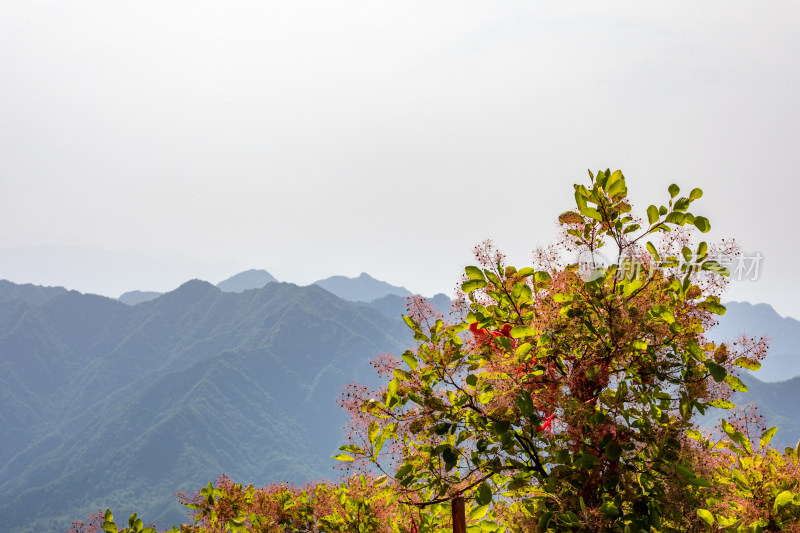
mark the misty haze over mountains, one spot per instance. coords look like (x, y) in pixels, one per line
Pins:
(119, 403)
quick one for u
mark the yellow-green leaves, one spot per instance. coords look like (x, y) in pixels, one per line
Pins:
(735, 383)
(766, 438)
(722, 404)
(108, 525)
(712, 305)
(519, 332)
(702, 224)
(706, 516)
(749, 364)
(474, 273)
(592, 213)
(410, 359)
(473, 285)
(342, 457)
(783, 499)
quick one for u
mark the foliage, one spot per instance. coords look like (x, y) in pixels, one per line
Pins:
(756, 487)
(359, 504)
(566, 392)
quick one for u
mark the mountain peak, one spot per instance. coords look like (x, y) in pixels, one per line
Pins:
(364, 288)
(190, 292)
(138, 297)
(249, 279)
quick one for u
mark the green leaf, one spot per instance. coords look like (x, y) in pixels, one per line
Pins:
(735, 383)
(613, 450)
(685, 407)
(618, 188)
(393, 385)
(525, 272)
(483, 496)
(718, 372)
(478, 512)
(652, 249)
(609, 509)
(706, 516)
(695, 194)
(783, 499)
(766, 438)
(474, 272)
(410, 360)
(673, 190)
(411, 324)
(342, 457)
(721, 404)
(372, 432)
(728, 428)
(591, 212)
(712, 305)
(580, 198)
(749, 364)
(682, 204)
(518, 332)
(236, 526)
(702, 224)
(694, 434)
(544, 520)
(676, 217)
(401, 374)
(473, 285)
(652, 214)
(110, 527)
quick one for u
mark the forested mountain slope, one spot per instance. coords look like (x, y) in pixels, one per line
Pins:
(105, 403)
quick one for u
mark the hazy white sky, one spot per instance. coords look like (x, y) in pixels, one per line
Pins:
(145, 143)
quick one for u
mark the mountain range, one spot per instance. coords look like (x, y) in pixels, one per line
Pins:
(108, 404)
(114, 403)
(363, 288)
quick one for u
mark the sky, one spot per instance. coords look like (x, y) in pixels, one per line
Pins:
(146, 143)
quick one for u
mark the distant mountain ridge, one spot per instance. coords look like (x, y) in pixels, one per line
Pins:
(363, 288)
(244, 281)
(137, 297)
(35, 294)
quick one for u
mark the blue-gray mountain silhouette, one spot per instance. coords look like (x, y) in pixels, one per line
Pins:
(34, 294)
(244, 281)
(105, 404)
(364, 288)
(137, 297)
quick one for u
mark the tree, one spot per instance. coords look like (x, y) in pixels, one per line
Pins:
(565, 393)
(563, 400)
